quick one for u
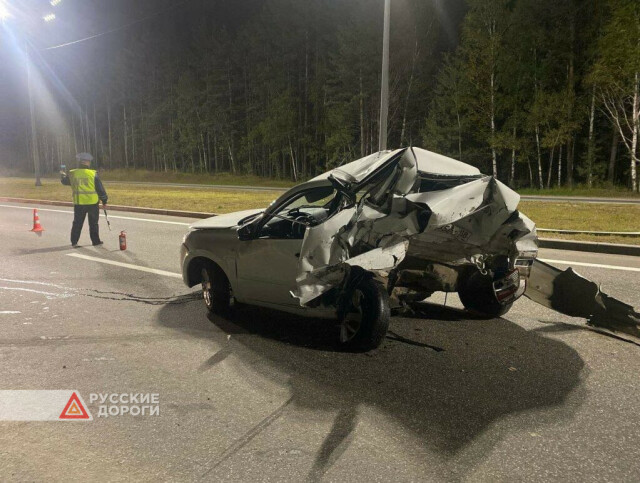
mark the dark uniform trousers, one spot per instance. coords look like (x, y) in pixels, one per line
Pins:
(79, 214)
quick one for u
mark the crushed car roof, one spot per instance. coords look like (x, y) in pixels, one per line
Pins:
(427, 162)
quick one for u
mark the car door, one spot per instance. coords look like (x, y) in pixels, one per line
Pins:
(267, 269)
(267, 264)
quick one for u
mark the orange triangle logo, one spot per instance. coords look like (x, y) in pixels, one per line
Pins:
(74, 409)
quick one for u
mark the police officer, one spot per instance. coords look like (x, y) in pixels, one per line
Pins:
(87, 192)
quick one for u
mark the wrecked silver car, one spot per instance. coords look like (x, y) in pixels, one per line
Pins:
(372, 235)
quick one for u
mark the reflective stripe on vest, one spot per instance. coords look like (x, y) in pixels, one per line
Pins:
(83, 185)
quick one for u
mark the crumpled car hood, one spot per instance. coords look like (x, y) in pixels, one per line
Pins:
(223, 221)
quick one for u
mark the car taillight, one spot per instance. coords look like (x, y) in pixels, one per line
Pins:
(523, 265)
(509, 287)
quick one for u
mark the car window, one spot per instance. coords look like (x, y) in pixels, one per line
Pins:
(308, 208)
(316, 197)
(374, 183)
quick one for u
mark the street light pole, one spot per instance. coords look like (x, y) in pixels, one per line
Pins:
(384, 89)
(34, 136)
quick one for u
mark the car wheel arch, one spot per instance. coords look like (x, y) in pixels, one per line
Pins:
(194, 269)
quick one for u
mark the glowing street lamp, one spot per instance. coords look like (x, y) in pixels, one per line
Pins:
(4, 12)
(55, 2)
(49, 17)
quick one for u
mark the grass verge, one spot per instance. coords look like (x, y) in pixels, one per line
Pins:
(610, 192)
(625, 240)
(563, 215)
(192, 178)
(587, 217)
(209, 201)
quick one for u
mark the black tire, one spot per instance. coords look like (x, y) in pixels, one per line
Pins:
(366, 320)
(216, 290)
(477, 296)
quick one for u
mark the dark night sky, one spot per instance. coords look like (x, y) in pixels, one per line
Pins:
(76, 19)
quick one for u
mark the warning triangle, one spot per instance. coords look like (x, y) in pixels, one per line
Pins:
(74, 409)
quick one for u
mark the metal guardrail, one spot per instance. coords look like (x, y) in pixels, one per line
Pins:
(583, 232)
(592, 247)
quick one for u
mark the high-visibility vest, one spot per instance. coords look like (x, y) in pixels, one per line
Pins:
(83, 184)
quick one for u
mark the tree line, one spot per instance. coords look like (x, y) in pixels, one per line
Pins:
(545, 90)
(538, 93)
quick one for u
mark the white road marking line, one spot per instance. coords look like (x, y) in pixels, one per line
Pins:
(148, 219)
(39, 209)
(126, 265)
(48, 295)
(33, 282)
(101, 214)
(9, 312)
(595, 265)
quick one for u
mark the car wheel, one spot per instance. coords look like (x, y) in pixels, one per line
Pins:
(366, 320)
(216, 290)
(477, 296)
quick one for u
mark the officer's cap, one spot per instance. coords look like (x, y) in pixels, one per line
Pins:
(84, 157)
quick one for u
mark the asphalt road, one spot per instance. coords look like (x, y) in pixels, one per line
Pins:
(531, 396)
(555, 199)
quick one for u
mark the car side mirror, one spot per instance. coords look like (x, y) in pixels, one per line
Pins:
(245, 232)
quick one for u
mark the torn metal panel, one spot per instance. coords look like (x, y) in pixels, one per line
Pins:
(479, 206)
(388, 255)
(360, 169)
(322, 248)
(321, 245)
(434, 163)
(569, 293)
(430, 278)
(479, 217)
(373, 235)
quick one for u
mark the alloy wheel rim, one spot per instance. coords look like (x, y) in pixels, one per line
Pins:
(206, 287)
(352, 321)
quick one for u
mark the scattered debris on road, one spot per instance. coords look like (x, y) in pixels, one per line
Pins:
(569, 293)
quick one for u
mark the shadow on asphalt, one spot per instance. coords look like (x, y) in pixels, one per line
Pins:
(33, 251)
(79, 249)
(442, 376)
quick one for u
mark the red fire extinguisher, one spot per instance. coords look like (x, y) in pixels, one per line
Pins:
(123, 240)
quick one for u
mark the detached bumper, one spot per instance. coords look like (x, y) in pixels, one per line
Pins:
(569, 293)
